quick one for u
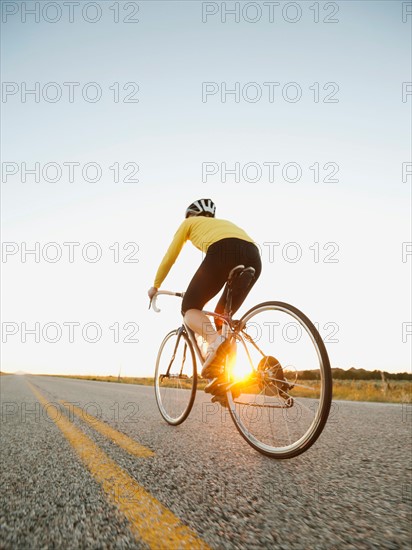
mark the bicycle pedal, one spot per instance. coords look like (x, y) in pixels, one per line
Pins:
(220, 388)
(221, 399)
(217, 386)
(209, 388)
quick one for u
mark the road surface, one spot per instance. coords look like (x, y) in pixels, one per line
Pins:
(129, 480)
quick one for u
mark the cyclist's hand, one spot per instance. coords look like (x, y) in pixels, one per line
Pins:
(151, 292)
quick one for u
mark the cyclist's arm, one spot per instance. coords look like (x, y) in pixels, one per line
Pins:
(172, 253)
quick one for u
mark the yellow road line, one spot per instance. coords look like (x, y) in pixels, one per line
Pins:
(150, 521)
(122, 440)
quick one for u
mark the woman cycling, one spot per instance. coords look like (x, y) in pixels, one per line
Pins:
(226, 245)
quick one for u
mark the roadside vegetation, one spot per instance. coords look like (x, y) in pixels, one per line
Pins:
(384, 390)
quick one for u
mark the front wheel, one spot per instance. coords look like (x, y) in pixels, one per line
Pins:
(284, 387)
(175, 377)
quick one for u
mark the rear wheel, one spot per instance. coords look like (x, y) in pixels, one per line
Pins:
(175, 377)
(284, 381)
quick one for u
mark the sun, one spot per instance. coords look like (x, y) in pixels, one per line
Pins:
(241, 370)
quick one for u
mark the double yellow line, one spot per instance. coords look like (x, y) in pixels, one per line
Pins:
(150, 521)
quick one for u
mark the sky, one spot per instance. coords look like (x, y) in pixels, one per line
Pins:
(293, 117)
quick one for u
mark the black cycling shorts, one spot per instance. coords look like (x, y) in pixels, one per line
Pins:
(221, 257)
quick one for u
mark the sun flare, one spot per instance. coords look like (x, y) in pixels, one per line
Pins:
(241, 370)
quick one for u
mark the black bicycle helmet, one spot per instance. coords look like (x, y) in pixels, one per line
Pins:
(201, 207)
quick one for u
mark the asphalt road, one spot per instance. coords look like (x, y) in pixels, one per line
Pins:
(352, 489)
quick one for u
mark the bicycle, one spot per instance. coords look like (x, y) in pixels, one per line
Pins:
(279, 401)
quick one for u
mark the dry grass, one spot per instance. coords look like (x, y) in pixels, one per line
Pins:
(125, 380)
(396, 391)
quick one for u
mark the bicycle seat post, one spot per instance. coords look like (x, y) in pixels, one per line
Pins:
(228, 302)
(227, 311)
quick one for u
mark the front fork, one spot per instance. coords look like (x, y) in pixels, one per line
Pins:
(167, 374)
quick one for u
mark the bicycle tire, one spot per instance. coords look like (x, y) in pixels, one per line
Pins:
(161, 390)
(321, 415)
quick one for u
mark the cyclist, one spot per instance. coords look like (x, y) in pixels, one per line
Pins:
(226, 245)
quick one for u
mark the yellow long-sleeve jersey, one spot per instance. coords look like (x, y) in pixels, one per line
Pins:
(202, 232)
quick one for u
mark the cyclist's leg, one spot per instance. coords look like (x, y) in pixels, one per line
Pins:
(230, 253)
(200, 324)
(205, 284)
(248, 255)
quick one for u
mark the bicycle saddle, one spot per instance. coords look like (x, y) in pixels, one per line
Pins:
(241, 275)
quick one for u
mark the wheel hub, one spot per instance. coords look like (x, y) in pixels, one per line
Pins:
(272, 379)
